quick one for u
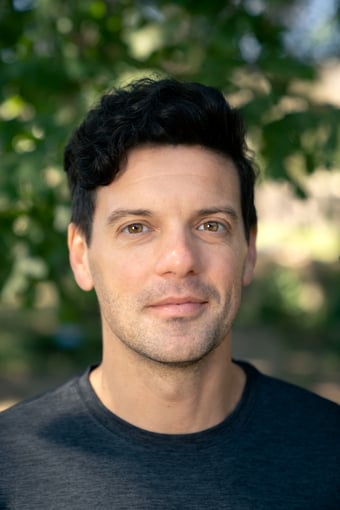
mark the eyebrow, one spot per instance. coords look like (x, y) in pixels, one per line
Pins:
(118, 214)
(229, 211)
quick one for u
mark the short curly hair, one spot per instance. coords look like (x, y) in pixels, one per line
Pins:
(153, 112)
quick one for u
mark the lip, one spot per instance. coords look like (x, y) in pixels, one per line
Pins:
(181, 306)
(180, 300)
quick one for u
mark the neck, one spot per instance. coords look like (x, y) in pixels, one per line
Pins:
(165, 399)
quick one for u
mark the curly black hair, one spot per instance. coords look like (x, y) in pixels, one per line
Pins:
(153, 112)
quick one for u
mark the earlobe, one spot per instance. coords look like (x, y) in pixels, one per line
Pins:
(251, 258)
(78, 254)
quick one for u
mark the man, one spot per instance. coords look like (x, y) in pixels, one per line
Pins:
(163, 228)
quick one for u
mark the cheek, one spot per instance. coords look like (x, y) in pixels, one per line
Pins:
(228, 273)
(229, 262)
(125, 270)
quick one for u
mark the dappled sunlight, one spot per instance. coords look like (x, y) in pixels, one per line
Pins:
(57, 58)
(294, 231)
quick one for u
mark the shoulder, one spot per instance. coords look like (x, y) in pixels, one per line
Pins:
(293, 409)
(30, 414)
(299, 398)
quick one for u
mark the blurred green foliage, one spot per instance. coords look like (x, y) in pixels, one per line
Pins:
(57, 57)
(302, 305)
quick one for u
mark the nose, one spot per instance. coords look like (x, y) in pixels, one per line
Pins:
(178, 255)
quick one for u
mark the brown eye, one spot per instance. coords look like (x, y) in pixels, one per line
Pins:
(212, 226)
(135, 228)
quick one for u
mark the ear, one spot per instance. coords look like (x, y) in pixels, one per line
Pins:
(251, 257)
(78, 254)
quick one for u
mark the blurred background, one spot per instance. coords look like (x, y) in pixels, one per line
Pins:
(278, 61)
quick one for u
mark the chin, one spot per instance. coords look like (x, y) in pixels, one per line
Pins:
(184, 361)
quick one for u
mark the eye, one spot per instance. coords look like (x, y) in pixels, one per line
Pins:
(212, 226)
(135, 228)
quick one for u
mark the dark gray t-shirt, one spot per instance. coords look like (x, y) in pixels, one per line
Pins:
(279, 449)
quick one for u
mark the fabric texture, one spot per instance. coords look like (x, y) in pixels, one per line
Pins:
(278, 450)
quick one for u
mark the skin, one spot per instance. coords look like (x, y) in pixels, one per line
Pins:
(168, 259)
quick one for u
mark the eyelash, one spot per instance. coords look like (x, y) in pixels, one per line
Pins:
(217, 227)
(127, 228)
(220, 226)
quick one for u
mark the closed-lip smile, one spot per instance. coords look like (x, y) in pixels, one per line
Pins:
(173, 300)
(179, 306)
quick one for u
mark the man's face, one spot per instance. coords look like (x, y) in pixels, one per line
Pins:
(168, 255)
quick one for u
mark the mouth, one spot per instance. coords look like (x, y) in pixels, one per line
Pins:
(184, 306)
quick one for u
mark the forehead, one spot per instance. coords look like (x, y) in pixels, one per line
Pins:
(168, 174)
